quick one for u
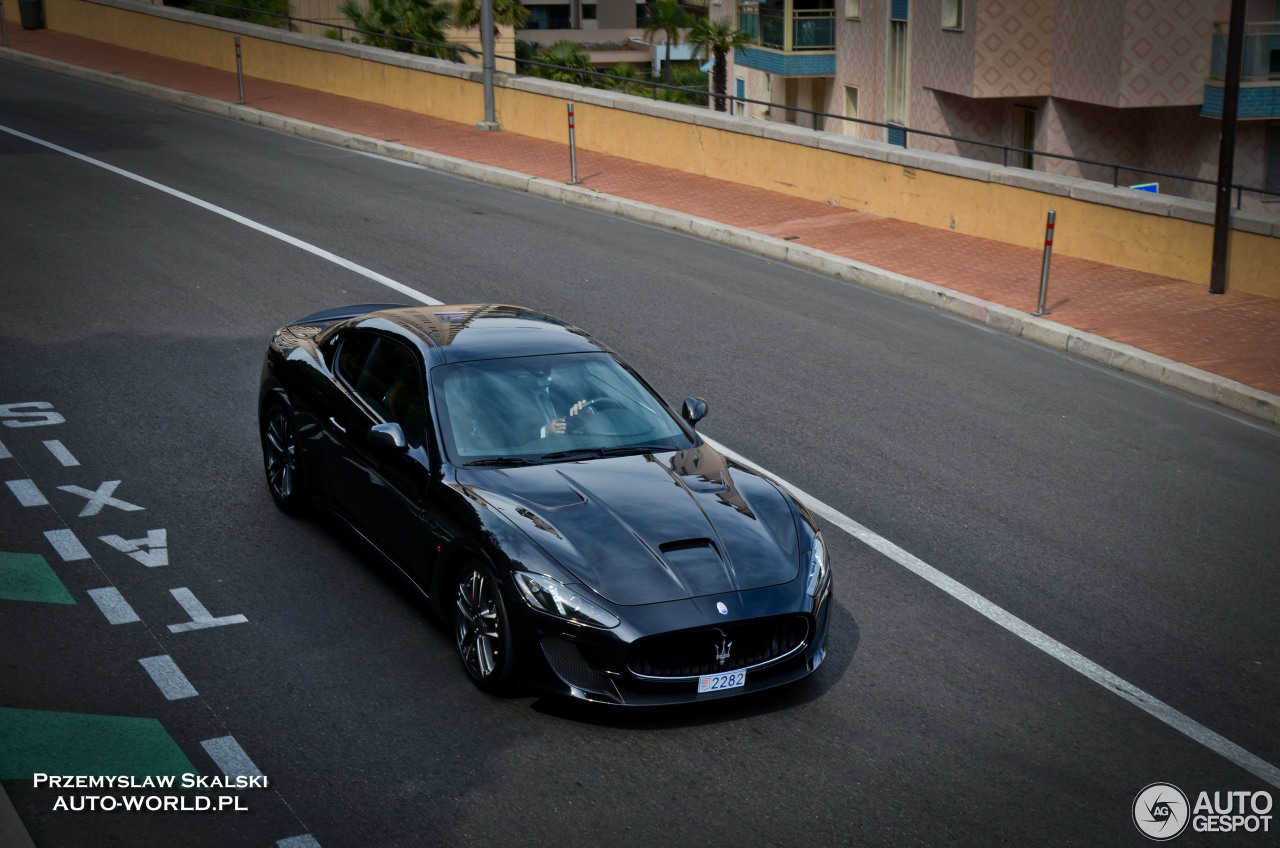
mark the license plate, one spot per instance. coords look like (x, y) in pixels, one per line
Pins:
(723, 680)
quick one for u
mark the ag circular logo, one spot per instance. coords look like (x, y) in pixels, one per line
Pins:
(1160, 811)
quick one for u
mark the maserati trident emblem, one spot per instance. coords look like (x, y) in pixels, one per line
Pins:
(722, 651)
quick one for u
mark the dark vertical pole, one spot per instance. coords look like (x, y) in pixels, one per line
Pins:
(4, 25)
(1227, 150)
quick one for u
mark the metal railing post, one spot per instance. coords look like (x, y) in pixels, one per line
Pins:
(1044, 267)
(239, 71)
(573, 152)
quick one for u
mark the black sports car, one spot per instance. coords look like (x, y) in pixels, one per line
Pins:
(576, 534)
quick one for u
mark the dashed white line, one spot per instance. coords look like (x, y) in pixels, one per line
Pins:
(113, 605)
(306, 840)
(61, 453)
(230, 757)
(173, 684)
(27, 493)
(67, 545)
(4, 452)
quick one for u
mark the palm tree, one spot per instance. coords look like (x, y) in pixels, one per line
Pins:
(714, 39)
(666, 16)
(624, 77)
(413, 20)
(569, 60)
(511, 13)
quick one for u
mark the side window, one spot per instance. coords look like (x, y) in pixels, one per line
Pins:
(352, 356)
(386, 376)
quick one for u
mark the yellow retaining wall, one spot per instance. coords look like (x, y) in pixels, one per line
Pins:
(1104, 233)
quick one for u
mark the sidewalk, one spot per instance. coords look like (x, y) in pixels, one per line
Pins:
(1235, 335)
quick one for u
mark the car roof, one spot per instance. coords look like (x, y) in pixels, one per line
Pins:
(461, 332)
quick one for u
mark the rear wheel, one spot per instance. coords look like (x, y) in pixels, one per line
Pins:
(481, 627)
(281, 459)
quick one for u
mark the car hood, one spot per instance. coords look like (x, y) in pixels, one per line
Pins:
(651, 528)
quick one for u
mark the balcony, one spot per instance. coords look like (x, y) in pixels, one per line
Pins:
(793, 42)
(1260, 74)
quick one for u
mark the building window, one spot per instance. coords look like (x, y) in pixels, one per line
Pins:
(953, 14)
(1271, 174)
(853, 10)
(896, 101)
(850, 111)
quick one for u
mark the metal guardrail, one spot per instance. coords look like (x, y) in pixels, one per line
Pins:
(630, 84)
(1006, 149)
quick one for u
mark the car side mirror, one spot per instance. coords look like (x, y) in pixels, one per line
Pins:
(388, 438)
(693, 410)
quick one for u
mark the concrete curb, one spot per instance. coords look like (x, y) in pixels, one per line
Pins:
(1140, 363)
(12, 832)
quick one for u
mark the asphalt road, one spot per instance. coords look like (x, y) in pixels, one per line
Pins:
(1135, 525)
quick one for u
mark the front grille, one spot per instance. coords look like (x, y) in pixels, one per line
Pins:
(693, 653)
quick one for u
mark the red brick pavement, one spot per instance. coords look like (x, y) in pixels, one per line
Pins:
(1235, 335)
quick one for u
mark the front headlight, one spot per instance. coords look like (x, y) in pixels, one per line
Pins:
(816, 558)
(551, 596)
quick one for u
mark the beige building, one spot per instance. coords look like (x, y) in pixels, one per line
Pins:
(1135, 82)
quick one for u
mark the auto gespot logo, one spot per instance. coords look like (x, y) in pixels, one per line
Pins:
(1161, 811)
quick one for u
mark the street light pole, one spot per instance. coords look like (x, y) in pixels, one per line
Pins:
(1227, 150)
(486, 48)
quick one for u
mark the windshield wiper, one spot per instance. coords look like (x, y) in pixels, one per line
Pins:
(622, 450)
(597, 453)
(585, 453)
(500, 460)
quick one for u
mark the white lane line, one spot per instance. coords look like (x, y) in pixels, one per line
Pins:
(1148, 703)
(66, 544)
(173, 684)
(239, 219)
(4, 452)
(113, 605)
(27, 493)
(61, 453)
(230, 757)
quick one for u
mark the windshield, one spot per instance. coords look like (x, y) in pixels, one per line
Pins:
(548, 408)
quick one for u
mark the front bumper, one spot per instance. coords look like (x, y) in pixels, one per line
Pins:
(595, 665)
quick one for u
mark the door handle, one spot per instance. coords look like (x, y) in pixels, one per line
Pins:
(335, 423)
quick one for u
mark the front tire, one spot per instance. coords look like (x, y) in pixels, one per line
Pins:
(281, 459)
(481, 628)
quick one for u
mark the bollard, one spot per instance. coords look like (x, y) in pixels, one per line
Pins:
(4, 25)
(573, 152)
(239, 71)
(1044, 267)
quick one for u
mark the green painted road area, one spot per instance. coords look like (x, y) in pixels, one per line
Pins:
(41, 741)
(29, 577)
